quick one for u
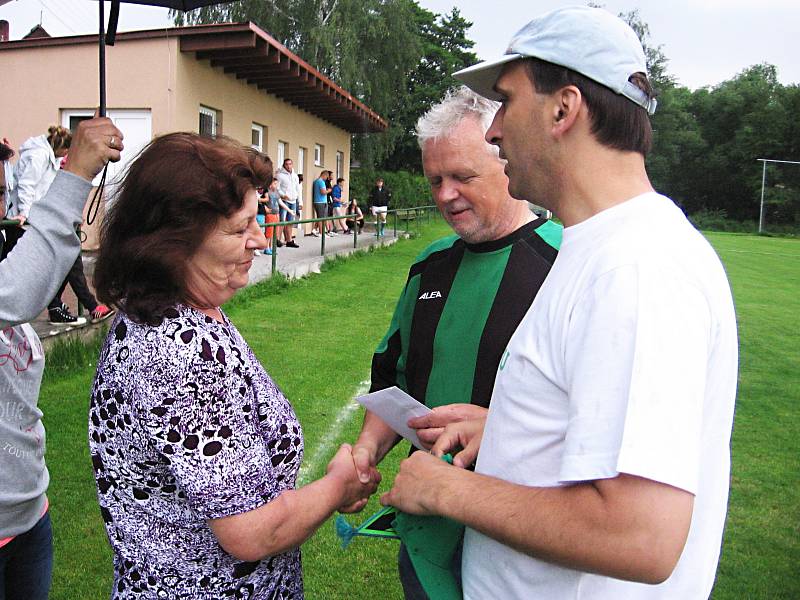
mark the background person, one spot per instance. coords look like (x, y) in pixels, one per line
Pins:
(273, 211)
(354, 209)
(39, 161)
(465, 294)
(601, 473)
(379, 199)
(320, 191)
(338, 205)
(35, 170)
(195, 448)
(30, 274)
(57, 311)
(291, 195)
(6, 182)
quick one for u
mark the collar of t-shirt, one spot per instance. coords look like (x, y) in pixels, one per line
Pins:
(618, 215)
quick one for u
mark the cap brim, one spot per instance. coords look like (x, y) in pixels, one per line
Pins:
(481, 77)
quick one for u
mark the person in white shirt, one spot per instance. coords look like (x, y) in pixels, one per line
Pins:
(38, 164)
(603, 465)
(291, 196)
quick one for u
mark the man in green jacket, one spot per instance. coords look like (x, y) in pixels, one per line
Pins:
(466, 293)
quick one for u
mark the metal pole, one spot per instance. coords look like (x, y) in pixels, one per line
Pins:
(275, 233)
(101, 4)
(761, 211)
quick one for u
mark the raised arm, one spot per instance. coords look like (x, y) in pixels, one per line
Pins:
(35, 268)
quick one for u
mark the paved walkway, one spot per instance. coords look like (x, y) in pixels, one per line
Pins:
(293, 262)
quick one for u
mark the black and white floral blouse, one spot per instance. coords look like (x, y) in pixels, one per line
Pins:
(185, 426)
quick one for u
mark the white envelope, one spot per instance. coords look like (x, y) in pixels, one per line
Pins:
(396, 407)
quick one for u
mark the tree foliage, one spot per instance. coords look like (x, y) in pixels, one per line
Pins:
(707, 141)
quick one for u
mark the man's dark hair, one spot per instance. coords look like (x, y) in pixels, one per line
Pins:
(617, 122)
(172, 197)
(285, 160)
(340, 180)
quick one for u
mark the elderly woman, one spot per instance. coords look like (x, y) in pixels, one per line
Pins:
(195, 448)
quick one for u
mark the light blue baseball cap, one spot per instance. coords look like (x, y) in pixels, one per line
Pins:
(588, 40)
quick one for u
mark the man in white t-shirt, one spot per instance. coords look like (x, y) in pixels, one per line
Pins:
(604, 462)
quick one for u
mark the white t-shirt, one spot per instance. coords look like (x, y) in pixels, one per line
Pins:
(626, 362)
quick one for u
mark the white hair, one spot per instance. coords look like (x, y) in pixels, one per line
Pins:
(458, 104)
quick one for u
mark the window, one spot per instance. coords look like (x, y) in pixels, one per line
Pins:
(75, 120)
(282, 151)
(257, 137)
(339, 164)
(209, 121)
(319, 155)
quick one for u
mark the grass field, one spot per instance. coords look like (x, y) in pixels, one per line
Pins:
(281, 322)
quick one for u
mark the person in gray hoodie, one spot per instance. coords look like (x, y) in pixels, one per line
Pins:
(30, 276)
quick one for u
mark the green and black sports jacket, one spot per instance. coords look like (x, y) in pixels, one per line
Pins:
(458, 310)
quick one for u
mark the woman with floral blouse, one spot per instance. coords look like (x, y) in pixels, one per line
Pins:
(195, 448)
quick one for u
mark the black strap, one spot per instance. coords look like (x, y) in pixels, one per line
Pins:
(94, 203)
(113, 18)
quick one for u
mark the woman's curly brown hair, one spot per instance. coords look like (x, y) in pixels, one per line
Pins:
(172, 196)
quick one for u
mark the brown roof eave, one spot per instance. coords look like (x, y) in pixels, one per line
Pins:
(245, 50)
(276, 70)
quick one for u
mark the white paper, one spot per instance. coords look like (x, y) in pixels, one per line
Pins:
(396, 407)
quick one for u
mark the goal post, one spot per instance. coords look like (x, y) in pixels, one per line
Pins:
(764, 162)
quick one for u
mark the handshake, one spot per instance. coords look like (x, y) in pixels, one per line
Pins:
(454, 428)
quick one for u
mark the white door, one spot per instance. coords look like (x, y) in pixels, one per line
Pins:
(136, 126)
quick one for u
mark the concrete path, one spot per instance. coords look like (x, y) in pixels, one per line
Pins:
(293, 262)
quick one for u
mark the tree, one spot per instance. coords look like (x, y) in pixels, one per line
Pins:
(446, 49)
(654, 56)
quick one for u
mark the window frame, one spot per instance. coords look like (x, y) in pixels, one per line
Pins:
(259, 129)
(215, 121)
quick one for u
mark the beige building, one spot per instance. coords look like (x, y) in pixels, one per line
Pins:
(229, 79)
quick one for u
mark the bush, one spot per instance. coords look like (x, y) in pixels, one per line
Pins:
(407, 188)
(716, 219)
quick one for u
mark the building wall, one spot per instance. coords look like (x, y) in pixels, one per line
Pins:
(51, 79)
(240, 105)
(153, 74)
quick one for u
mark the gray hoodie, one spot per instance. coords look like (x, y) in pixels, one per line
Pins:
(29, 277)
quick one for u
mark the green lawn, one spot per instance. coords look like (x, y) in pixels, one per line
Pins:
(761, 550)
(761, 553)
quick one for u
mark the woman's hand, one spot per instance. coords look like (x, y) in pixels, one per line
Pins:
(355, 493)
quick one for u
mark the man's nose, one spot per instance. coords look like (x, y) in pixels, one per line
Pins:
(495, 132)
(447, 192)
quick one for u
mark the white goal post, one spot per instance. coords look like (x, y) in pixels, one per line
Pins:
(764, 162)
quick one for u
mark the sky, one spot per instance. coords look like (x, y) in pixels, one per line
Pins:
(706, 41)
